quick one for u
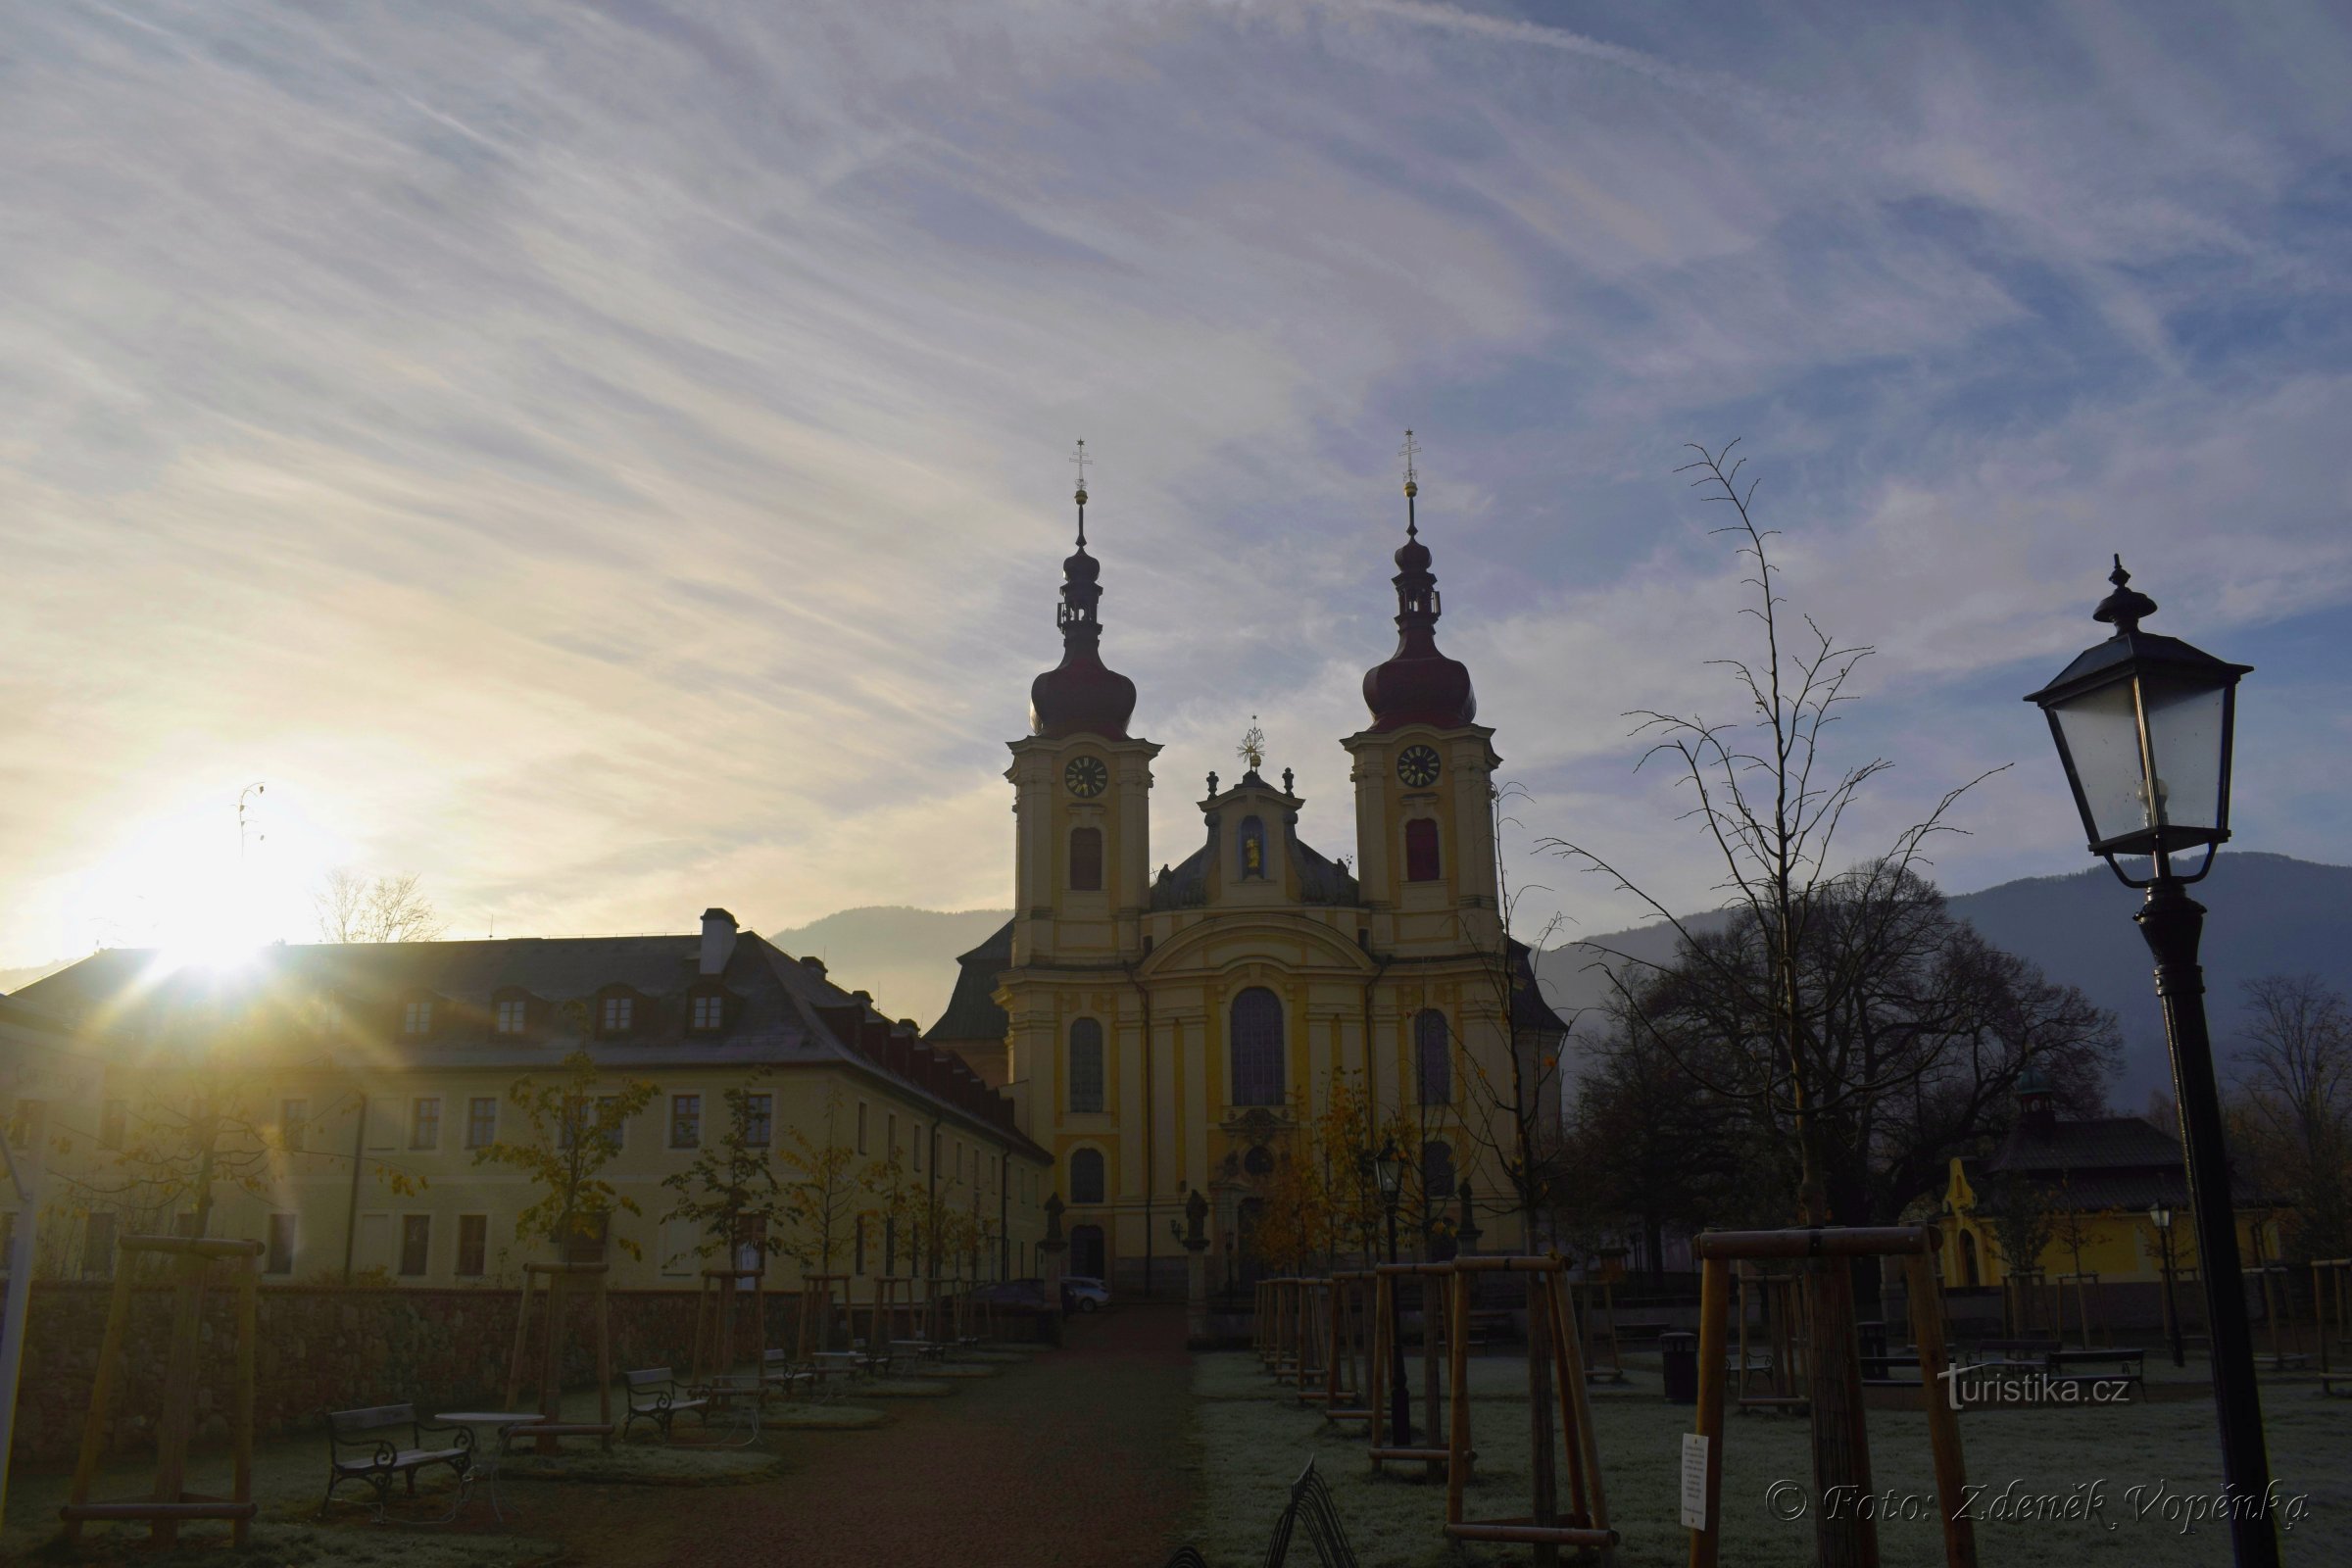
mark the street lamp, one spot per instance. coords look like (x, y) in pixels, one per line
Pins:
(2143, 727)
(2162, 1218)
(1390, 1167)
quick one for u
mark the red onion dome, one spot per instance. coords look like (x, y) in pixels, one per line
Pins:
(1081, 695)
(1418, 684)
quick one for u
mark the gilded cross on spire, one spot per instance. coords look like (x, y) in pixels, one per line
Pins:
(1253, 745)
(1408, 452)
(1079, 498)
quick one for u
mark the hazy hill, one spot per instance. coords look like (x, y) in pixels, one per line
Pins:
(2270, 915)
(14, 979)
(906, 957)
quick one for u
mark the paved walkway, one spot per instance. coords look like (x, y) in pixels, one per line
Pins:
(1083, 1458)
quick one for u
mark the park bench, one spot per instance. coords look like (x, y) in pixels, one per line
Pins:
(920, 1350)
(363, 1445)
(654, 1397)
(2129, 1366)
(1309, 1508)
(779, 1372)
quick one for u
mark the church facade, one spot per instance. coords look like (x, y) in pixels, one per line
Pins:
(1171, 1031)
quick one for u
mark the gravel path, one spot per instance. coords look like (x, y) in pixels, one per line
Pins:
(1082, 1457)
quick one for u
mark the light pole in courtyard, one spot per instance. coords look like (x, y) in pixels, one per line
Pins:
(2162, 1218)
(2143, 727)
(1391, 1167)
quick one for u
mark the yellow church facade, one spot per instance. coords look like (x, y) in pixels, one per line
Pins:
(1174, 1031)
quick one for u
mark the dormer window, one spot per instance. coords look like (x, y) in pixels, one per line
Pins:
(417, 1019)
(511, 1015)
(707, 1012)
(617, 1015)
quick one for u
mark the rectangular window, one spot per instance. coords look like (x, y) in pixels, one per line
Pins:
(861, 1130)
(383, 1122)
(858, 1248)
(1421, 849)
(760, 1119)
(415, 1243)
(114, 1123)
(890, 1145)
(618, 1011)
(473, 1245)
(424, 1122)
(605, 1107)
(417, 1019)
(98, 1248)
(281, 1244)
(709, 1011)
(293, 1123)
(1086, 860)
(481, 1121)
(685, 1121)
(919, 1142)
(512, 1013)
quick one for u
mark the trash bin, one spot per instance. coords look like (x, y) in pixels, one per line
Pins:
(1678, 1349)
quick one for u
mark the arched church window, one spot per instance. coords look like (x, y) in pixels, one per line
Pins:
(1437, 1176)
(1257, 1047)
(1433, 1058)
(1421, 849)
(1086, 860)
(1259, 1161)
(1086, 1176)
(1253, 847)
(1086, 1065)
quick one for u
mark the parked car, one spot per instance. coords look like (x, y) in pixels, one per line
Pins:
(1013, 1292)
(1081, 1293)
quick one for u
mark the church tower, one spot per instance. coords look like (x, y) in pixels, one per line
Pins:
(1081, 790)
(1423, 775)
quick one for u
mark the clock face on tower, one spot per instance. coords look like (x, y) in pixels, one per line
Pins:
(1418, 766)
(1086, 776)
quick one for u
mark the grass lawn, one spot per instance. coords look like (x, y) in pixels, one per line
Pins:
(1255, 1441)
(290, 1473)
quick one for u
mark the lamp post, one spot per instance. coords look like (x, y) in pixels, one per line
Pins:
(1390, 1164)
(2162, 1218)
(2143, 729)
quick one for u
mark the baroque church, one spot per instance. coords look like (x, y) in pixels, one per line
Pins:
(1172, 1031)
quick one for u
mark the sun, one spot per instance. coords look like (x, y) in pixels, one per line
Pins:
(180, 881)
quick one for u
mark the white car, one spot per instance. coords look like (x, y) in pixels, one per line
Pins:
(1085, 1294)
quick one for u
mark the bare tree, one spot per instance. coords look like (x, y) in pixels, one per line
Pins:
(352, 907)
(2294, 1093)
(1770, 800)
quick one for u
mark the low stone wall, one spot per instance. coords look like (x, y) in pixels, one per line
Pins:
(325, 1348)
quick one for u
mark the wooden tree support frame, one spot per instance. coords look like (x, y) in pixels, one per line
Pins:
(718, 1339)
(2085, 1323)
(1915, 1245)
(1307, 1372)
(891, 1303)
(170, 1505)
(2331, 1316)
(1345, 1375)
(563, 1279)
(1782, 1308)
(1438, 1319)
(814, 1331)
(1554, 1338)
(1602, 1336)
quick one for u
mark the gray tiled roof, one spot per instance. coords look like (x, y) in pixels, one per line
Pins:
(349, 1000)
(972, 1013)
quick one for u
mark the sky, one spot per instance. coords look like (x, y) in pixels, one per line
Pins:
(611, 460)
